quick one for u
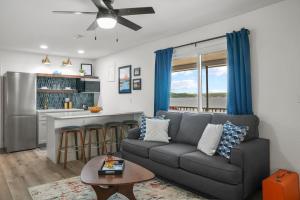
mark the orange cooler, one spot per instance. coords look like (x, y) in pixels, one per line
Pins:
(282, 185)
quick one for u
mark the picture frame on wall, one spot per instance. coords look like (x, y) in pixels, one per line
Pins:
(137, 84)
(137, 71)
(88, 69)
(125, 79)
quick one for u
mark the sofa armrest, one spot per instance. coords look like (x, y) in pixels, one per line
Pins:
(254, 158)
(133, 133)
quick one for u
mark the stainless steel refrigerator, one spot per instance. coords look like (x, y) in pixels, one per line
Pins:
(19, 92)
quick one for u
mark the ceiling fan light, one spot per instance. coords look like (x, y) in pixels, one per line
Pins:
(106, 22)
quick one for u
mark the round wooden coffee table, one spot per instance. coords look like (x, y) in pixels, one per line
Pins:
(107, 185)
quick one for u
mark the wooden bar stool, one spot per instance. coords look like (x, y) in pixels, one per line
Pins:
(100, 141)
(126, 125)
(64, 133)
(112, 130)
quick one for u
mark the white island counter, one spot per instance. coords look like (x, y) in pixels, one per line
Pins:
(58, 120)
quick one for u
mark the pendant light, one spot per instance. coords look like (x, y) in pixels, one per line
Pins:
(46, 61)
(67, 62)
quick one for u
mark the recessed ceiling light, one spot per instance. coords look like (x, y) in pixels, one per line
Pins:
(81, 51)
(43, 46)
(77, 13)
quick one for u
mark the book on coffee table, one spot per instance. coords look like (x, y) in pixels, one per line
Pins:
(112, 167)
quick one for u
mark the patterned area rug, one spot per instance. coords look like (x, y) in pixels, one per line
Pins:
(73, 189)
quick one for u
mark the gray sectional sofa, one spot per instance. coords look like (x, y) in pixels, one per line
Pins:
(181, 162)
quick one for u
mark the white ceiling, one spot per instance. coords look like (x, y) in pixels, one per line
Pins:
(25, 24)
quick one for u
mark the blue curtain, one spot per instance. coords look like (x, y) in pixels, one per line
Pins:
(163, 69)
(239, 100)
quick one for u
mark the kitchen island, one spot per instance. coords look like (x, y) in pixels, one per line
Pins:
(42, 123)
(58, 120)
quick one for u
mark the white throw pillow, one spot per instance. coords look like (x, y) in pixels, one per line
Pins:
(157, 130)
(210, 139)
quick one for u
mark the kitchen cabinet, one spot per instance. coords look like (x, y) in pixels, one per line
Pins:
(42, 128)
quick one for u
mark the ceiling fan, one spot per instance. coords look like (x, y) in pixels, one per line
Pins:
(107, 16)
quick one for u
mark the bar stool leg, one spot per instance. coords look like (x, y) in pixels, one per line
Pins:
(89, 143)
(111, 140)
(60, 147)
(120, 137)
(124, 133)
(105, 139)
(66, 150)
(117, 138)
(103, 147)
(82, 146)
(76, 145)
(97, 138)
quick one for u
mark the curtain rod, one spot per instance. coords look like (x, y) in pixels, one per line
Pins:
(206, 40)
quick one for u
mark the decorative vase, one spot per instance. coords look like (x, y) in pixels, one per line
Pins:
(81, 74)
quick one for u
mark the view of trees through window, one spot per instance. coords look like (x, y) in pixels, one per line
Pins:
(195, 91)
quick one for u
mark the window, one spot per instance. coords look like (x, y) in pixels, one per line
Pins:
(197, 90)
(184, 85)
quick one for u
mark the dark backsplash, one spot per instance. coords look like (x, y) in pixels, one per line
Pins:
(56, 100)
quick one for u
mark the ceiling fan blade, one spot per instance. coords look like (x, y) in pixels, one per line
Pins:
(74, 12)
(129, 24)
(134, 11)
(97, 3)
(108, 4)
(93, 26)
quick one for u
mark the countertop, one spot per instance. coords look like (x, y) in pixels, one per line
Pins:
(59, 110)
(87, 114)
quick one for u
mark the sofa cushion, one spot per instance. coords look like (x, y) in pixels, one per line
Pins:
(251, 121)
(139, 147)
(170, 154)
(175, 119)
(191, 127)
(213, 167)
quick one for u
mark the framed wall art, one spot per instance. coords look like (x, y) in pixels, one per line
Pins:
(87, 68)
(137, 71)
(125, 79)
(137, 84)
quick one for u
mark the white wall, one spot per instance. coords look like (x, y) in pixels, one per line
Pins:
(275, 43)
(32, 63)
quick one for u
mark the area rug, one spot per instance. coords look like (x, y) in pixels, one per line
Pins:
(73, 189)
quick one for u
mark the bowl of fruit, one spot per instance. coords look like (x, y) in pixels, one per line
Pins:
(95, 109)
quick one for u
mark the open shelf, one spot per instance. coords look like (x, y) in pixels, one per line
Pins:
(65, 76)
(56, 91)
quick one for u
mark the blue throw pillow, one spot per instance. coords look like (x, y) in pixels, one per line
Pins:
(232, 136)
(143, 125)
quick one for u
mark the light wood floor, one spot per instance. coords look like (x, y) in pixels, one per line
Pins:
(21, 170)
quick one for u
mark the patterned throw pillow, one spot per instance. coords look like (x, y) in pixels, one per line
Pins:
(232, 136)
(143, 125)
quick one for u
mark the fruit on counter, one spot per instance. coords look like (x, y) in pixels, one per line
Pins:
(95, 109)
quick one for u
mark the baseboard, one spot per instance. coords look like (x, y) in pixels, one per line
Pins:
(43, 145)
(2, 151)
